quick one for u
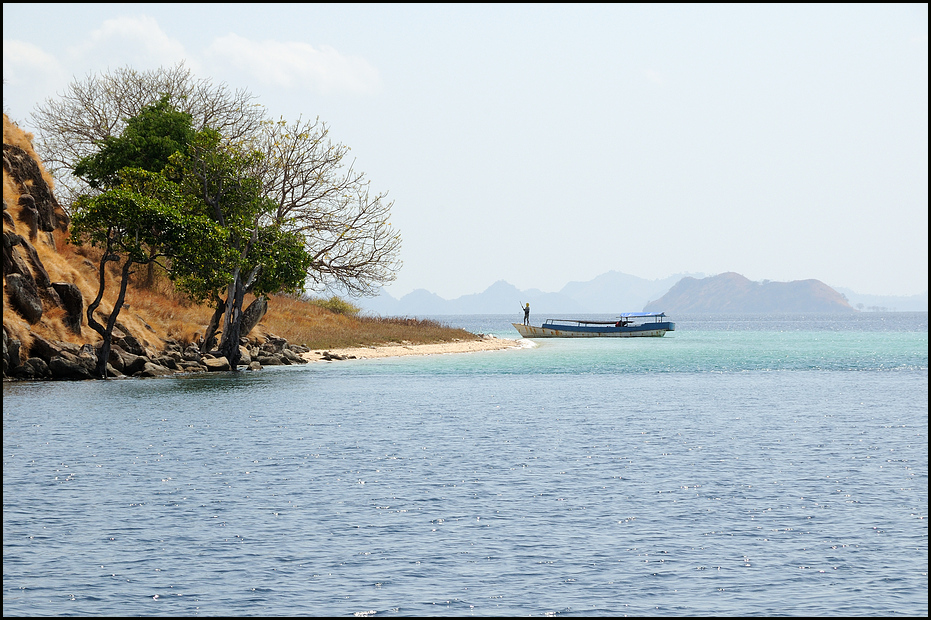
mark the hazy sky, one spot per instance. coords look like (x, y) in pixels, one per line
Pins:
(552, 143)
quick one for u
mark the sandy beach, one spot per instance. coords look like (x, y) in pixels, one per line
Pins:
(395, 350)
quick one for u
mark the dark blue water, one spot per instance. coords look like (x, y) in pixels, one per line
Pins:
(738, 466)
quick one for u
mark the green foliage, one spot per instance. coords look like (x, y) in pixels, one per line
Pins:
(143, 218)
(216, 179)
(147, 142)
(337, 305)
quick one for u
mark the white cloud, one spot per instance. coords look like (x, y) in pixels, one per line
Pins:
(291, 64)
(29, 75)
(25, 62)
(137, 41)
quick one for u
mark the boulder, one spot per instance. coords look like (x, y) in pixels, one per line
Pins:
(39, 367)
(24, 297)
(69, 367)
(11, 347)
(217, 364)
(12, 260)
(192, 354)
(73, 303)
(153, 370)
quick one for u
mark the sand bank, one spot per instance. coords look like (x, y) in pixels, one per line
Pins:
(396, 350)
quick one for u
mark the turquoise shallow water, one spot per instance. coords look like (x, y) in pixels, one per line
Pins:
(739, 466)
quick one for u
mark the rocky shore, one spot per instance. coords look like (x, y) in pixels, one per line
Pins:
(55, 360)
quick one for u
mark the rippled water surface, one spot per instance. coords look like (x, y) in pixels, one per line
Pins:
(739, 466)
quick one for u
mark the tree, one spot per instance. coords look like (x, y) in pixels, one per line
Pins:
(138, 222)
(146, 143)
(266, 256)
(275, 189)
(148, 140)
(73, 126)
(320, 195)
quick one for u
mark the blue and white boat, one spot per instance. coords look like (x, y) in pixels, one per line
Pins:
(628, 325)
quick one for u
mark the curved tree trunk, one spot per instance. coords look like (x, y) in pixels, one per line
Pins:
(106, 333)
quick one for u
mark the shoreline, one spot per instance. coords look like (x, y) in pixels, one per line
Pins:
(402, 349)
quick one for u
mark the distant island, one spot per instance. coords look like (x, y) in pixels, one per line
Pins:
(732, 292)
(615, 292)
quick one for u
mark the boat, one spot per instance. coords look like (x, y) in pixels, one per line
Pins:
(628, 325)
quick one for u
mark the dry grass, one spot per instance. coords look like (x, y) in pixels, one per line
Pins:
(303, 322)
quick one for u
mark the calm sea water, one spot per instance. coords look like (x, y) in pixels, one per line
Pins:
(742, 465)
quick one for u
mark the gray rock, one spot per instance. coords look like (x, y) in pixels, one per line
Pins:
(73, 303)
(69, 367)
(153, 370)
(217, 364)
(24, 297)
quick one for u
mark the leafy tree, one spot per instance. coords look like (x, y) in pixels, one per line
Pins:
(269, 257)
(137, 222)
(149, 139)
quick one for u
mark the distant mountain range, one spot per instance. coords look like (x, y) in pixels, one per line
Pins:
(615, 292)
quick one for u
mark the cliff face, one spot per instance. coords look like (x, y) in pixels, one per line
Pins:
(732, 292)
(46, 282)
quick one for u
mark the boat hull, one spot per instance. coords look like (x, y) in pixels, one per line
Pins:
(653, 330)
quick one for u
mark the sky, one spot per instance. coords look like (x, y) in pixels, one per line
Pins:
(543, 144)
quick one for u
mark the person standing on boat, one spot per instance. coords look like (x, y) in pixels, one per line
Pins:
(527, 314)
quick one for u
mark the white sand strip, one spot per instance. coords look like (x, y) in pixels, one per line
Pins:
(396, 350)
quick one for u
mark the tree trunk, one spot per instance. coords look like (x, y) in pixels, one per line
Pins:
(210, 334)
(106, 333)
(232, 319)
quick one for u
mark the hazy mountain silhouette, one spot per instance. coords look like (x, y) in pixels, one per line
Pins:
(614, 292)
(732, 292)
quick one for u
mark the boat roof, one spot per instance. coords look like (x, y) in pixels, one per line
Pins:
(623, 315)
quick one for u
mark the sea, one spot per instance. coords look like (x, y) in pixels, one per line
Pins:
(742, 465)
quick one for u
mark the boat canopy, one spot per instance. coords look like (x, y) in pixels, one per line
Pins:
(622, 316)
(636, 315)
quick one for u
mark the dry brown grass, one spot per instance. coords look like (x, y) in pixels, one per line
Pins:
(302, 322)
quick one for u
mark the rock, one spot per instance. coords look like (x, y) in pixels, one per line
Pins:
(192, 367)
(40, 368)
(167, 361)
(73, 303)
(24, 297)
(269, 360)
(25, 172)
(11, 347)
(217, 364)
(252, 315)
(128, 342)
(244, 358)
(254, 365)
(292, 357)
(12, 261)
(192, 354)
(136, 365)
(153, 370)
(29, 216)
(69, 367)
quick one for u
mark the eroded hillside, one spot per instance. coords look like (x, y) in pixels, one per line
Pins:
(48, 283)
